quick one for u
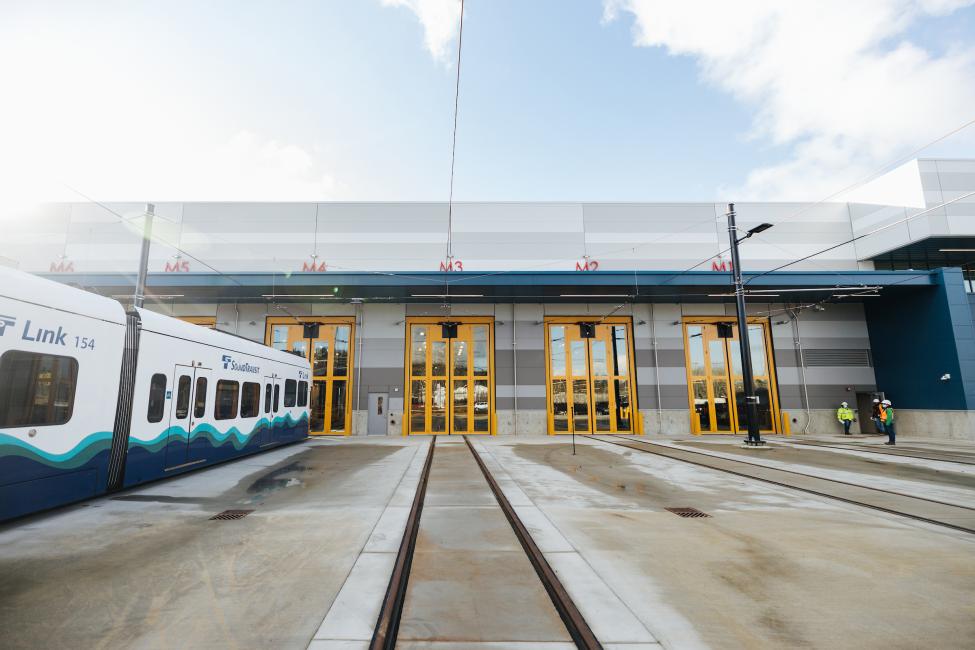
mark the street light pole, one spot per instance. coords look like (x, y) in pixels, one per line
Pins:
(751, 401)
(140, 287)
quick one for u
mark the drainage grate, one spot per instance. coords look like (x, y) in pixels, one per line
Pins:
(687, 512)
(231, 514)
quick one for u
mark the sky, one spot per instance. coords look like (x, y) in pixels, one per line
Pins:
(582, 100)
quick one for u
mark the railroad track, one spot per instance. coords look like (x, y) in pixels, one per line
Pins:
(946, 457)
(927, 510)
(387, 625)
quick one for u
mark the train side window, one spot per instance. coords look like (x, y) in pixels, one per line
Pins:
(36, 389)
(277, 395)
(267, 398)
(200, 406)
(250, 400)
(157, 397)
(302, 393)
(183, 397)
(290, 392)
(225, 404)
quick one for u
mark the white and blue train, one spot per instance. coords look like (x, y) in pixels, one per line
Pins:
(94, 398)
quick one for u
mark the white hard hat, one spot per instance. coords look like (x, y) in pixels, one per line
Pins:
(843, 404)
(876, 401)
(886, 401)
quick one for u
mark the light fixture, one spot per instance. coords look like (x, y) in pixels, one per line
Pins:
(594, 295)
(762, 227)
(956, 250)
(857, 295)
(446, 295)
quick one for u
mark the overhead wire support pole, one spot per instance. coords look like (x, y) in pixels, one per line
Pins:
(140, 285)
(751, 407)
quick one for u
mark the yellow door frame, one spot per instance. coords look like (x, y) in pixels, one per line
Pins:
(636, 417)
(733, 407)
(407, 370)
(202, 321)
(328, 378)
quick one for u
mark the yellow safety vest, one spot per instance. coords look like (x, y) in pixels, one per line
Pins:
(844, 413)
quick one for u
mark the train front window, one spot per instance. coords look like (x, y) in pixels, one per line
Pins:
(36, 389)
(157, 397)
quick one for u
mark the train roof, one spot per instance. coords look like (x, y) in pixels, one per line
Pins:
(169, 326)
(25, 287)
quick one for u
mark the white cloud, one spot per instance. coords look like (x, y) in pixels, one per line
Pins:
(440, 20)
(838, 83)
(99, 122)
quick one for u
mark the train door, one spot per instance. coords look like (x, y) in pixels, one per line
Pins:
(180, 428)
(277, 408)
(268, 435)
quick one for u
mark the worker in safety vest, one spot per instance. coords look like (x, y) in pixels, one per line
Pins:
(875, 415)
(845, 415)
(887, 417)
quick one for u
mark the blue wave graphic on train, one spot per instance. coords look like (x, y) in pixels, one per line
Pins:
(37, 479)
(100, 441)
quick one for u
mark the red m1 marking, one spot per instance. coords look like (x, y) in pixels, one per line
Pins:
(721, 266)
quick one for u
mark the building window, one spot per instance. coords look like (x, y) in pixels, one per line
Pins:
(36, 389)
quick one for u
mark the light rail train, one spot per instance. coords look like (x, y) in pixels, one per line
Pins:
(94, 398)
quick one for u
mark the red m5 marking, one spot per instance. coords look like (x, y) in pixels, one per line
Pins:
(62, 267)
(177, 267)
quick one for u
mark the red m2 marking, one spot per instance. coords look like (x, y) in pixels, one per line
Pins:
(589, 265)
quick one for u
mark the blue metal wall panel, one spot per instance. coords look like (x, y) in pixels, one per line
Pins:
(919, 336)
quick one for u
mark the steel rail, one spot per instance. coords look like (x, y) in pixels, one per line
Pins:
(387, 625)
(970, 460)
(575, 623)
(715, 465)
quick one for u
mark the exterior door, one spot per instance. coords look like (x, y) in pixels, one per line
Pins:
(188, 409)
(715, 381)
(378, 414)
(450, 379)
(180, 428)
(330, 355)
(590, 387)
